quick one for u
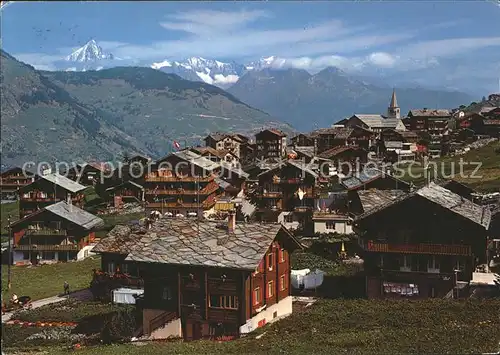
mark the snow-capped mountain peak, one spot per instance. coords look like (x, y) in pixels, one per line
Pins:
(90, 52)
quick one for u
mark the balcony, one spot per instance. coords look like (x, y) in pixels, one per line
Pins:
(175, 179)
(303, 208)
(48, 247)
(204, 204)
(207, 190)
(46, 231)
(271, 194)
(288, 180)
(435, 249)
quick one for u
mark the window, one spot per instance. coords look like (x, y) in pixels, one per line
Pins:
(289, 218)
(256, 296)
(124, 268)
(433, 264)
(166, 294)
(282, 282)
(460, 264)
(270, 261)
(330, 225)
(405, 263)
(226, 302)
(260, 268)
(270, 289)
(111, 267)
(282, 255)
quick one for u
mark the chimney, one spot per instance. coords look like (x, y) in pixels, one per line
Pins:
(231, 222)
(68, 199)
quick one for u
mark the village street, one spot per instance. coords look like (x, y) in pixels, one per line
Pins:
(81, 295)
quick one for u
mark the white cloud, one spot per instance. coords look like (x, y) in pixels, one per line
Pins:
(383, 60)
(220, 79)
(202, 22)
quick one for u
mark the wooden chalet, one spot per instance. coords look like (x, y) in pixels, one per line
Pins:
(214, 154)
(405, 257)
(493, 113)
(271, 143)
(346, 158)
(128, 191)
(205, 280)
(288, 186)
(47, 190)
(58, 232)
(182, 183)
(481, 125)
(12, 180)
(435, 122)
(392, 135)
(139, 158)
(328, 138)
(88, 174)
(302, 140)
(231, 143)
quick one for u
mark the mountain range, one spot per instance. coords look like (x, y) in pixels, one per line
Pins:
(317, 100)
(89, 115)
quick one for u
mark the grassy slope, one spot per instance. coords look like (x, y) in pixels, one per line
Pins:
(42, 121)
(489, 171)
(7, 209)
(356, 327)
(47, 280)
(156, 107)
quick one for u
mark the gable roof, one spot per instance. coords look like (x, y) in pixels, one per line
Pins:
(196, 159)
(179, 241)
(129, 182)
(291, 162)
(366, 176)
(480, 215)
(430, 113)
(62, 181)
(378, 121)
(273, 131)
(337, 150)
(71, 213)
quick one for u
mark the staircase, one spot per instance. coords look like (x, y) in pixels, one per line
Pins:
(158, 324)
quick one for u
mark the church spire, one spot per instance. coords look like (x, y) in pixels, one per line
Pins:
(393, 111)
(394, 100)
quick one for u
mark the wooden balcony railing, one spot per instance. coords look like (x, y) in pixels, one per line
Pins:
(48, 247)
(175, 178)
(207, 190)
(288, 180)
(271, 194)
(303, 208)
(436, 249)
(204, 204)
(46, 231)
(12, 183)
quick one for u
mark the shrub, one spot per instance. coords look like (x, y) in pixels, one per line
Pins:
(119, 326)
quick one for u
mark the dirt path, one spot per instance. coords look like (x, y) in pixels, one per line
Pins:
(82, 295)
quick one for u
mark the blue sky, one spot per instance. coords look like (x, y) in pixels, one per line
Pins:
(446, 40)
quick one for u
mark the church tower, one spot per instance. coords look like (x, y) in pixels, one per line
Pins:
(393, 111)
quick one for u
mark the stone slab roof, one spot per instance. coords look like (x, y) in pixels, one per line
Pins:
(447, 199)
(64, 182)
(372, 198)
(431, 113)
(180, 241)
(71, 213)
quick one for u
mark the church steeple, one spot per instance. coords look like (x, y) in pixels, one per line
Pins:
(393, 111)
